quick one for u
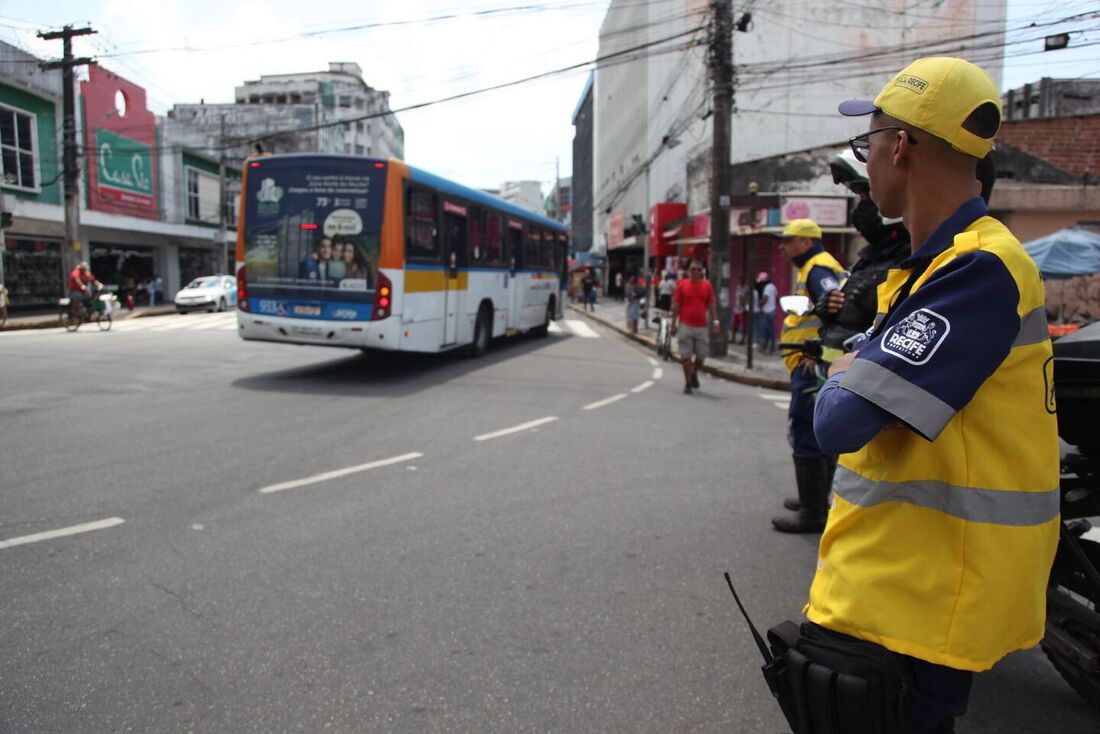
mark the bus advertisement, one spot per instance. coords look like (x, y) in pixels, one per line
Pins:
(370, 254)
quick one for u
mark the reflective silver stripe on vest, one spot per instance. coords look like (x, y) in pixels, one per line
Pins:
(810, 322)
(919, 408)
(999, 507)
(1033, 328)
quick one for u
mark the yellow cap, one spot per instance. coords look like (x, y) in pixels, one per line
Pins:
(938, 94)
(802, 228)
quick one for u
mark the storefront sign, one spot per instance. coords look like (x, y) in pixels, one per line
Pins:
(616, 226)
(827, 212)
(120, 137)
(123, 164)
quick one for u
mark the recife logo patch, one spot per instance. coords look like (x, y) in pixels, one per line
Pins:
(916, 337)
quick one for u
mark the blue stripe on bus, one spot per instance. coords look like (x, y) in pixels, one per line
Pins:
(474, 196)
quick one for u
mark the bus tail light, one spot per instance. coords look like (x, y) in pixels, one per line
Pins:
(242, 290)
(383, 298)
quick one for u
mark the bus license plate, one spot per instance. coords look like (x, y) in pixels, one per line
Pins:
(306, 330)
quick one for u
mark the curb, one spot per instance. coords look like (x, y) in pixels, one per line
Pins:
(50, 322)
(733, 374)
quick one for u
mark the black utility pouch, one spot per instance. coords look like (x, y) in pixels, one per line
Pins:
(829, 683)
(841, 685)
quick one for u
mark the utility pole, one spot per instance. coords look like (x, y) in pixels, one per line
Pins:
(721, 75)
(70, 163)
(222, 244)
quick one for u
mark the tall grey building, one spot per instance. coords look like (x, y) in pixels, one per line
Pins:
(342, 90)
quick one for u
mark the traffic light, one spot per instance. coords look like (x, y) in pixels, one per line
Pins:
(5, 220)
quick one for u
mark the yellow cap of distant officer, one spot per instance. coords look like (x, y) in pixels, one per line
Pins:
(951, 98)
(802, 228)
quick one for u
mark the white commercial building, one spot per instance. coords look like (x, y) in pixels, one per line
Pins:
(525, 194)
(795, 60)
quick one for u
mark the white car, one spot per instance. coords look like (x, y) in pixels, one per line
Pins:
(209, 293)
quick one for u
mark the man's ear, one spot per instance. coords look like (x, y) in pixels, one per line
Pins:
(901, 146)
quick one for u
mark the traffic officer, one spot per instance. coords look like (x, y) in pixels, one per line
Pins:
(818, 274)
(945, 504)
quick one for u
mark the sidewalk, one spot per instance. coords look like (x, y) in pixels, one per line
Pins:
(767, 371)
(48, 319)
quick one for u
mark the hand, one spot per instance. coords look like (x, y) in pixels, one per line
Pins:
(714, 327)
(675, 328)
(842, 363)
(834, 301)
(808, 365)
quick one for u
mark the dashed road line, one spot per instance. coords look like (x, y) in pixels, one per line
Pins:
(605, 401)
(653, 362)
(516, 429)
(644, 386)
(87, 527)
(339, 473)
(658, 373)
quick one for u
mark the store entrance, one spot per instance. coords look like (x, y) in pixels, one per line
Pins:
(129, 267)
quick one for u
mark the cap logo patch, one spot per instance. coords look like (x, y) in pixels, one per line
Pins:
(916, 338)
(910, 82)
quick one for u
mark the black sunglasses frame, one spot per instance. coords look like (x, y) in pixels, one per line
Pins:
(861, 143)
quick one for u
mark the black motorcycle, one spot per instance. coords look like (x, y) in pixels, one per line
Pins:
(1072, 640)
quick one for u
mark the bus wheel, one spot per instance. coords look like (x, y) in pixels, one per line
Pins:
(544, 329)
(483, 330)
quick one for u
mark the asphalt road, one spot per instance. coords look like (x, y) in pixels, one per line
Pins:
(317, 540)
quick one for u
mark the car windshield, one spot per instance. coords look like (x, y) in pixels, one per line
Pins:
(204, 283)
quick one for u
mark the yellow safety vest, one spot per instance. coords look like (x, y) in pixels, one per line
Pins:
(941, 549)
(801, 328)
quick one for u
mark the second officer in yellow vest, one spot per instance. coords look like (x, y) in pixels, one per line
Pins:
(818, 274)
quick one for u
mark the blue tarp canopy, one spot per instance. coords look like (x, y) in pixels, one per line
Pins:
(1067, 252)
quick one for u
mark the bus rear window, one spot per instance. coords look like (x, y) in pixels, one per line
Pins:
(312, 228)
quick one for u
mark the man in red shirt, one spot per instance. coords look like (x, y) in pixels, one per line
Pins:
(79, 280)
(692, 302)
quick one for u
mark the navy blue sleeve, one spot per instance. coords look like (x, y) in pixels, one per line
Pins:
(820, 281)
(843, 421)
(941, 344)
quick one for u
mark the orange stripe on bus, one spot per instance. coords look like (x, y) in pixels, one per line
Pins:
(392, 253)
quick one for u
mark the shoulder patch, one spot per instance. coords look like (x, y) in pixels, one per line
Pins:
(916, 338)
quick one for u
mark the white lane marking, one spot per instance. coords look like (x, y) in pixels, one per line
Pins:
(606, 401)
(579, 328)
(644, 386)
(555, 328)
(87, 527)
(658, 373)
(782, 406)
(774, 395)
(516, 429)
(339, 473)
(1093, 535)
(653, 362)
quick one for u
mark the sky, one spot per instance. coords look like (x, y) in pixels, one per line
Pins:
(184, 51)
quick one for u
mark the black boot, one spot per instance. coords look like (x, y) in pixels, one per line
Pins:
(812, 475)
(792, 503)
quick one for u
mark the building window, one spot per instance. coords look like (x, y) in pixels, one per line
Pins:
(194, 210)
(359, 126)
(359, 149)
(203, 197)
(17, 148)
(345, 100)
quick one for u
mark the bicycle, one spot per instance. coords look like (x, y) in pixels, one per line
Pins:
(97, 311)
(664, 336)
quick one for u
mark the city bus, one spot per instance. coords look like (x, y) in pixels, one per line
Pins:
(347, 251)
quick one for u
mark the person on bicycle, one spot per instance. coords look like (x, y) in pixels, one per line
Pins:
(945, 513)
(82, 285)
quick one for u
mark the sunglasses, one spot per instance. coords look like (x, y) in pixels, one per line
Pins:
(861, 144)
